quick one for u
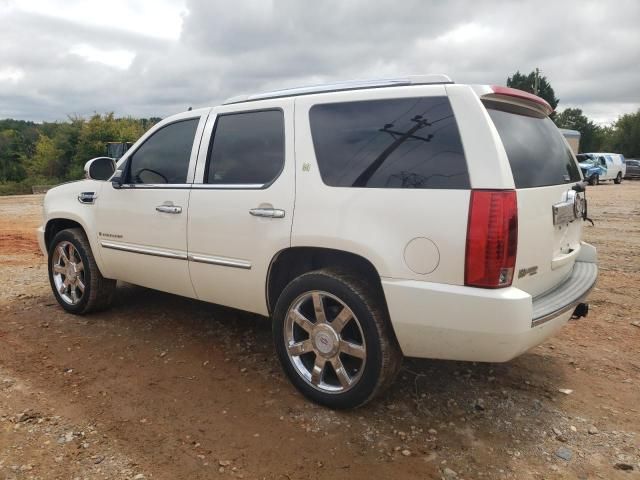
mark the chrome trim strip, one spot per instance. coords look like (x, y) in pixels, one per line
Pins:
(550, 316)
(87, 198)
(156, 185)
(199, 186)
(575, 283)
(227, 186)
(224, 262)
(210, 260)
(143, 250)
(267, 212)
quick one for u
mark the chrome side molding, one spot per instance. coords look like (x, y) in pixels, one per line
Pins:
(210, 260)
(224, 262)
(143, 250)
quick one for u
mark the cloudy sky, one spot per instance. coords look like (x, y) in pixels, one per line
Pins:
(157, 57)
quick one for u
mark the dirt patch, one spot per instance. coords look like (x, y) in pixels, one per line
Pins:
(165, 387)
(18, 243)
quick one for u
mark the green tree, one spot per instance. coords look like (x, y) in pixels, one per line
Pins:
(11, 156)
(625, 136)
(528, 82)
(45, 162)
(57, 151)
(100, 129)
(592, 136)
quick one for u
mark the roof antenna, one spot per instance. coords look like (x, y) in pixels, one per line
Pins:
(189, 109)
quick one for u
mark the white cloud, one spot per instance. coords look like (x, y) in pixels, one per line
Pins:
(146, 57)
(156, 18)
(118, 58)
(11, 74)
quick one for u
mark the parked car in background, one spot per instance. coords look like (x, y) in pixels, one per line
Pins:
(633, 168)
(597, 167)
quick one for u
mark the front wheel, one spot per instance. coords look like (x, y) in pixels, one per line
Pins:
(618, 179)
(334, 340)
(75, 279)
(594, 180)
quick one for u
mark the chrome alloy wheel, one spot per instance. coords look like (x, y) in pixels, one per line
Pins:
(68, 273)
(324, 342)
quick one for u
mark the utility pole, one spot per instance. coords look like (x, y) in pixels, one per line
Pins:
(536, 82)
(399, 139)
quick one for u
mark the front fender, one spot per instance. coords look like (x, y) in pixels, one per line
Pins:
(62, 202)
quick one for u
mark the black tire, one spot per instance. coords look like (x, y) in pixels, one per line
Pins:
(383, 357)
(98, 291)
(594, 180)
(618, 179)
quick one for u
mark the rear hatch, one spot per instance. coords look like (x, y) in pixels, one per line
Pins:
(544, 172)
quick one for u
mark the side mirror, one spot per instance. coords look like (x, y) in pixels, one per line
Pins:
(100, 168)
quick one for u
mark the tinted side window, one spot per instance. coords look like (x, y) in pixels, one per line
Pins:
(164, 157)
(247, 148)
(535, 147)
(394, 143)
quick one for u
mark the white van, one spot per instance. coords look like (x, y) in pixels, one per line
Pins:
(597, 167)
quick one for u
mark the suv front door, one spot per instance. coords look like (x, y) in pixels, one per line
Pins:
(142, 226)
(241, 206)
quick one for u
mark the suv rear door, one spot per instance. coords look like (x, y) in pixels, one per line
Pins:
(241, 205)
(544, 172)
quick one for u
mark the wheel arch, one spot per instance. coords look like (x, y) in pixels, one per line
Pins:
(58, 222)
(292, 262)
(55, 225)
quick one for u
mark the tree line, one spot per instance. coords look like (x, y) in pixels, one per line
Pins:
(53, 152)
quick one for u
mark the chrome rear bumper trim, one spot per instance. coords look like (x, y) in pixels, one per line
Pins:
(566, 295)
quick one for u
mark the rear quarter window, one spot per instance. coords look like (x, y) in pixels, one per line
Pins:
(537, 152)
(392, 143)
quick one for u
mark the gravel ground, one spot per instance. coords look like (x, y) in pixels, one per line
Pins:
(165, 387)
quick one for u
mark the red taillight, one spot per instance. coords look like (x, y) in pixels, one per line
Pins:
(492, 238)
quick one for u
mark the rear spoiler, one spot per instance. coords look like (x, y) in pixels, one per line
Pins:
(519, 96)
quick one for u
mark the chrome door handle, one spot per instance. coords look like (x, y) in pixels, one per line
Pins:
(267, 212)
(169, 209)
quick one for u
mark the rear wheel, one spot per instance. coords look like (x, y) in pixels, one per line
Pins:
(618, 178)
(334, 340)
(75, 279)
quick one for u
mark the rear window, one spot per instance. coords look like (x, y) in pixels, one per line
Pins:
(393, 143)
(535, 147)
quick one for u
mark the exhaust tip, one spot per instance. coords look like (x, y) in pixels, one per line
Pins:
(582, 310)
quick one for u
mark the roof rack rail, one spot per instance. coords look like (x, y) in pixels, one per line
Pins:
(340, 86)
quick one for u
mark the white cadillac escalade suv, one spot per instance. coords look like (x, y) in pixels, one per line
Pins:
(370, 220)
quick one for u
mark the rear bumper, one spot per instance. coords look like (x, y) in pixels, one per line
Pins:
(464, 323)
(567, 295)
